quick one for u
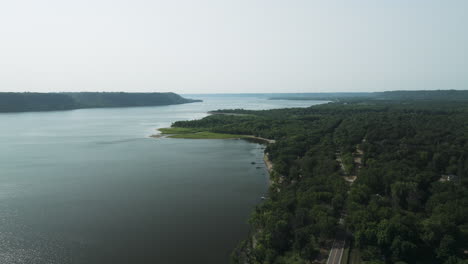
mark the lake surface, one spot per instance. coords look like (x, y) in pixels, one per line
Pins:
(90, 186)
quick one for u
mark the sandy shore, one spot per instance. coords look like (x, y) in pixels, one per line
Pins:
(268, 162)
(269, 141)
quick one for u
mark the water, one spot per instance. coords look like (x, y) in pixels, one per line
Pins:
(90, 186)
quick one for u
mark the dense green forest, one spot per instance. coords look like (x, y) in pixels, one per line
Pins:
(22, 102)
(438, 95)
(409, 203)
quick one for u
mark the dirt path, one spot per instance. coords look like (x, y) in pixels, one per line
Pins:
(357, 159)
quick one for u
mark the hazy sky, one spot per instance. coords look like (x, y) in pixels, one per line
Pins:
(215, 46)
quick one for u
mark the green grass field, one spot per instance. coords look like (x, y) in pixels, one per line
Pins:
(190, 133)
(178, 130)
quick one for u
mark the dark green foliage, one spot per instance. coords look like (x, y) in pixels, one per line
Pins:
(408, 205)
(127, 99)
(22, 102)
(401, 96)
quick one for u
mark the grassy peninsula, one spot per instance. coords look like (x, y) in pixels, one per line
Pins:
(388, 176)
(193, 133)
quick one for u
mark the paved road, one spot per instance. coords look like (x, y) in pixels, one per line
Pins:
(336, 252)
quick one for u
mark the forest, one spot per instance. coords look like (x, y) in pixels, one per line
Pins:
(23, 102)
(407, 204)
(427, 95)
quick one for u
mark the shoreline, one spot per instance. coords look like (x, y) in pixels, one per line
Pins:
(269, 167)
(272, 183)
(269, 141)
(268, 162)
(184, 134)
(187, 133)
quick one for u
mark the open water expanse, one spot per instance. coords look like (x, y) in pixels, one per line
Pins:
(90, 186)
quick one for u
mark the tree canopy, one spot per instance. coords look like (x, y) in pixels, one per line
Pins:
(409, 203)
(22, 102)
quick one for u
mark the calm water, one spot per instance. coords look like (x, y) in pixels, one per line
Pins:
(89, 186)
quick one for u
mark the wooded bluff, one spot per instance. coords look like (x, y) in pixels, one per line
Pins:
(22, 102)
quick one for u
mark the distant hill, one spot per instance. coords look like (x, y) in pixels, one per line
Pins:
(23, 102)
(318, 96)
(438, 95)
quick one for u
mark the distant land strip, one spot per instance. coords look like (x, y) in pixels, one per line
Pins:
(24, 102)
(403, 96)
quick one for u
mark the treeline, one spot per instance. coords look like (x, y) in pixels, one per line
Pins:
(409, 203)
(423, 95)
(438, 95)
(22, 102)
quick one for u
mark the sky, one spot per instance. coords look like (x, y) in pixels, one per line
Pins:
(233, 46)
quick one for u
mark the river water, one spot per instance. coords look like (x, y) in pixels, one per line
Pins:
(90, 186)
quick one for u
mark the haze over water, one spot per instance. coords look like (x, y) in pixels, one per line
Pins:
(91, 186)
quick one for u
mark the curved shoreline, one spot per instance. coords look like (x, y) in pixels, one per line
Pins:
(175, 132)
(187, 133)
